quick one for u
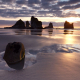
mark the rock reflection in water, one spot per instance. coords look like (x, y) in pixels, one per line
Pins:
(50, 31)
(36, 32)
(68, 32)
(20, 31)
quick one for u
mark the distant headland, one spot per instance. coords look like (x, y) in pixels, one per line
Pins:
(36, 24)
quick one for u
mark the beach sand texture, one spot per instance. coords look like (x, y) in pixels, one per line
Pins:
(51, 65)
(56, 66)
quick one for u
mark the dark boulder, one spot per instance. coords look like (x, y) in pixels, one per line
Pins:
(19, 25)
(67, 25)
(35, 24)
(14, 52)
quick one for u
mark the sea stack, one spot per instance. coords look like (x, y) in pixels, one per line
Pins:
(50, 26)
(19, 25)
(68, 25)
(35, 23)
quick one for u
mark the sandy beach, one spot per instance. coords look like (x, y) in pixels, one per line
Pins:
(56, 66)
(55, 60)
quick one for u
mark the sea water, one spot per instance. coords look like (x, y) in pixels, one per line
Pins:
(39, 41)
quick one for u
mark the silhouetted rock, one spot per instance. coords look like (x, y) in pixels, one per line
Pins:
(35, 24)
(19, 25)
(67, 25)
(50, 26)
(14, 52)
(27, 24)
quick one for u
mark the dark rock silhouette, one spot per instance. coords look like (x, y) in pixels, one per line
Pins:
(19, 25)
(14, 52)
(27, 25)
(50, 26)
(67, 25)
(35, 24)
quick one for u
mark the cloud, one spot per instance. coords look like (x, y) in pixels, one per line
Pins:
(33, 1)
(72, 6)
(21, 2)
(46, 8)
(68, 2)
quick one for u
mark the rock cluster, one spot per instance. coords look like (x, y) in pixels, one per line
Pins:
(14, 52)
(67, 25)
(19, 25)
(35, 24)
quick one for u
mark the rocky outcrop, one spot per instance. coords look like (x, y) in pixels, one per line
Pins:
(50, 25)
(27, 25)
(67, 25)
(19, 25)
(14, 52)
(35, 24)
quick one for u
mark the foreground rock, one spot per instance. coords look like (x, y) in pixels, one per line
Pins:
(14, 52)
(67, 25)
(19, 25)
(35, 24)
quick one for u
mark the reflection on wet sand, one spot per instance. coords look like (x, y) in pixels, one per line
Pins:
(69, 39)
(50, 31)
(36, 32)
(20, 31)
(28, 32)
(68, 32)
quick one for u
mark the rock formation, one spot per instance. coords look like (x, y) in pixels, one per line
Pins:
(27, 24)
(35, 24)
(14, 52)
(67, 25)
(19, 25)
(50, 25)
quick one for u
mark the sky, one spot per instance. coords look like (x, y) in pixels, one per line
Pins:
(55, 11)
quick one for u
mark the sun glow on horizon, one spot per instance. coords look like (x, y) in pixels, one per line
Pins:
(72, 19)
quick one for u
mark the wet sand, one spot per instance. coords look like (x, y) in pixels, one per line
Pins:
(49, 66)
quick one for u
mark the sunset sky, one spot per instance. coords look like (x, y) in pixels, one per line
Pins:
(55, 11)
